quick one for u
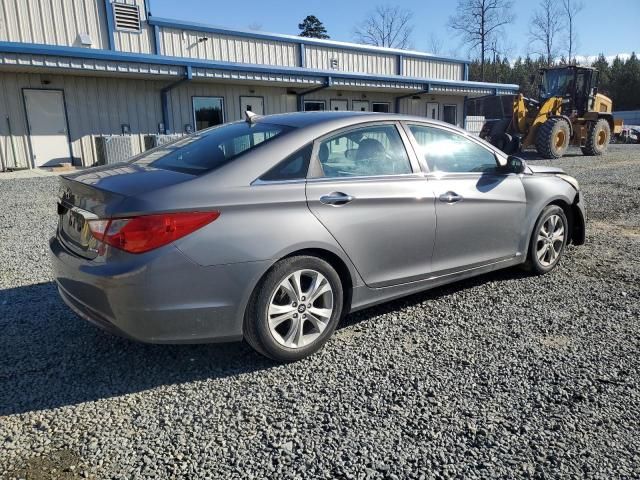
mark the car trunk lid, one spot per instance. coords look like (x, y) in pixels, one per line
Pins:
(95, 194)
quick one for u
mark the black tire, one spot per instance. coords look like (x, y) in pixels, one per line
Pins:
(256, 323)
(598, 138)
(534, 263)
(552, 138)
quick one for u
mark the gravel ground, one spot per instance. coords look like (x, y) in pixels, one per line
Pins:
(505, 375)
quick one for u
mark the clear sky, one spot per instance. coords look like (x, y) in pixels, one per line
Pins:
(600, 30)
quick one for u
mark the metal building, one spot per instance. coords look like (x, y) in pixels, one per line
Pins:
(72, 71)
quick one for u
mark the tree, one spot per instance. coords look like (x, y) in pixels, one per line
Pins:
(311, 27)
(386, 26)
(546, 26)
(571, 9)
(435, 43)
(478, 23)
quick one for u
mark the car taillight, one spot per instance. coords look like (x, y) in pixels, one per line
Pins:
(144, 233)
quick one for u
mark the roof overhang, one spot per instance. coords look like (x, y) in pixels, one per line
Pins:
(92, 61)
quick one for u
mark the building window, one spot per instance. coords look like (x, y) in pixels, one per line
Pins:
(450, 114)
(208, 111)
(313, 105)
(380, 107)
(126, 17)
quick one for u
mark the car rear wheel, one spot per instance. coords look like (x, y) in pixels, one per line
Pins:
(294, 309)
(548, 240)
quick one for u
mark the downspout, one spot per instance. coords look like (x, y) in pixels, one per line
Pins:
(300, 96)
(425, 89)
(164, 98)
(464, 112)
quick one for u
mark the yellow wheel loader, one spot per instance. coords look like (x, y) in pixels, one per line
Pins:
(568, 111)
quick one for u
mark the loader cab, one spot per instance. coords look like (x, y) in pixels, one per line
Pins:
(576, 85)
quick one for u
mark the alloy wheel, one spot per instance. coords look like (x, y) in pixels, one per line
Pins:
(300, 308)
(550, 240)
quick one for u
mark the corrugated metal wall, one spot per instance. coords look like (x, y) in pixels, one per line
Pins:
(418, 107)
(419, 67)
(349, 60)
(135, 42)
(54, 22)
(227, 48)
(100, 105)
(350, 96)
(276, 100)
(94, 106)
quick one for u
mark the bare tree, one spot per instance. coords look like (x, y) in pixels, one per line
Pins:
(545, 28)
(435, 43)
(478, 23)
(571, 9)
(386, 26)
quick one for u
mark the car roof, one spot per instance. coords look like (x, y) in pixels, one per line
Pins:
(338, 119)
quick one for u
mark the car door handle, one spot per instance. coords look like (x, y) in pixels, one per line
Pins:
(450, 197)
(336, 199)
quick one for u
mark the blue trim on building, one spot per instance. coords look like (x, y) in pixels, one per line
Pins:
(303, 56)
(400, 65)
(111, 24)
(279, 37)
(75, 52)
(147, 8)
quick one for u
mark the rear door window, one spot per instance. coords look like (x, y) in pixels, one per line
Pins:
(364, 151)
(210, 149)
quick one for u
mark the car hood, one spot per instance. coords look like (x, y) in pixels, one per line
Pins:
(543, 169)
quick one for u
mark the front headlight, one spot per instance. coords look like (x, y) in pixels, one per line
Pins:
(570, 180)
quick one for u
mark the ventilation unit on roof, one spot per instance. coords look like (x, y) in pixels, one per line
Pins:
(126, 17)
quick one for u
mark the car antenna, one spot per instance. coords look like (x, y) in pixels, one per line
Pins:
(251, 117)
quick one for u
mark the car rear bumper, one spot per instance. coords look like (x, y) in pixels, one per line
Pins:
(158, 297)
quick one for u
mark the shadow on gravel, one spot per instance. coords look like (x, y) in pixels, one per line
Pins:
(512, 273)
(52, 358)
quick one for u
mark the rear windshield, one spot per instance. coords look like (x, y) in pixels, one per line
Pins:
(209, 149)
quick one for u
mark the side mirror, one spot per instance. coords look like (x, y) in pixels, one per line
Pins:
(515, 165)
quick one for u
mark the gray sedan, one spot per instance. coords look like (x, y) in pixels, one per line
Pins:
(273, 228)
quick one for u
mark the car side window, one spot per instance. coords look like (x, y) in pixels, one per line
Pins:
(450, 152)
(294, 167)
(365, 151)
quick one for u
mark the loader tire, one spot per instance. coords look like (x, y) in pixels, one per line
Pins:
(598, 138)
(552, 139)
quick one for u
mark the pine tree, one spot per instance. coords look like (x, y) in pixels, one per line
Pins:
(311, 27)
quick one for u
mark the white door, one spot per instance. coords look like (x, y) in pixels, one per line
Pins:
(252, 104)
(47, 127)
(341, 105)
(360, 105)
(433, 110)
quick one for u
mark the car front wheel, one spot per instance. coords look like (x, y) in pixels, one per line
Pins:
(294, 309)
(548, 240)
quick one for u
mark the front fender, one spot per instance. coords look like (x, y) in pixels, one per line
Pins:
(540, 191)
